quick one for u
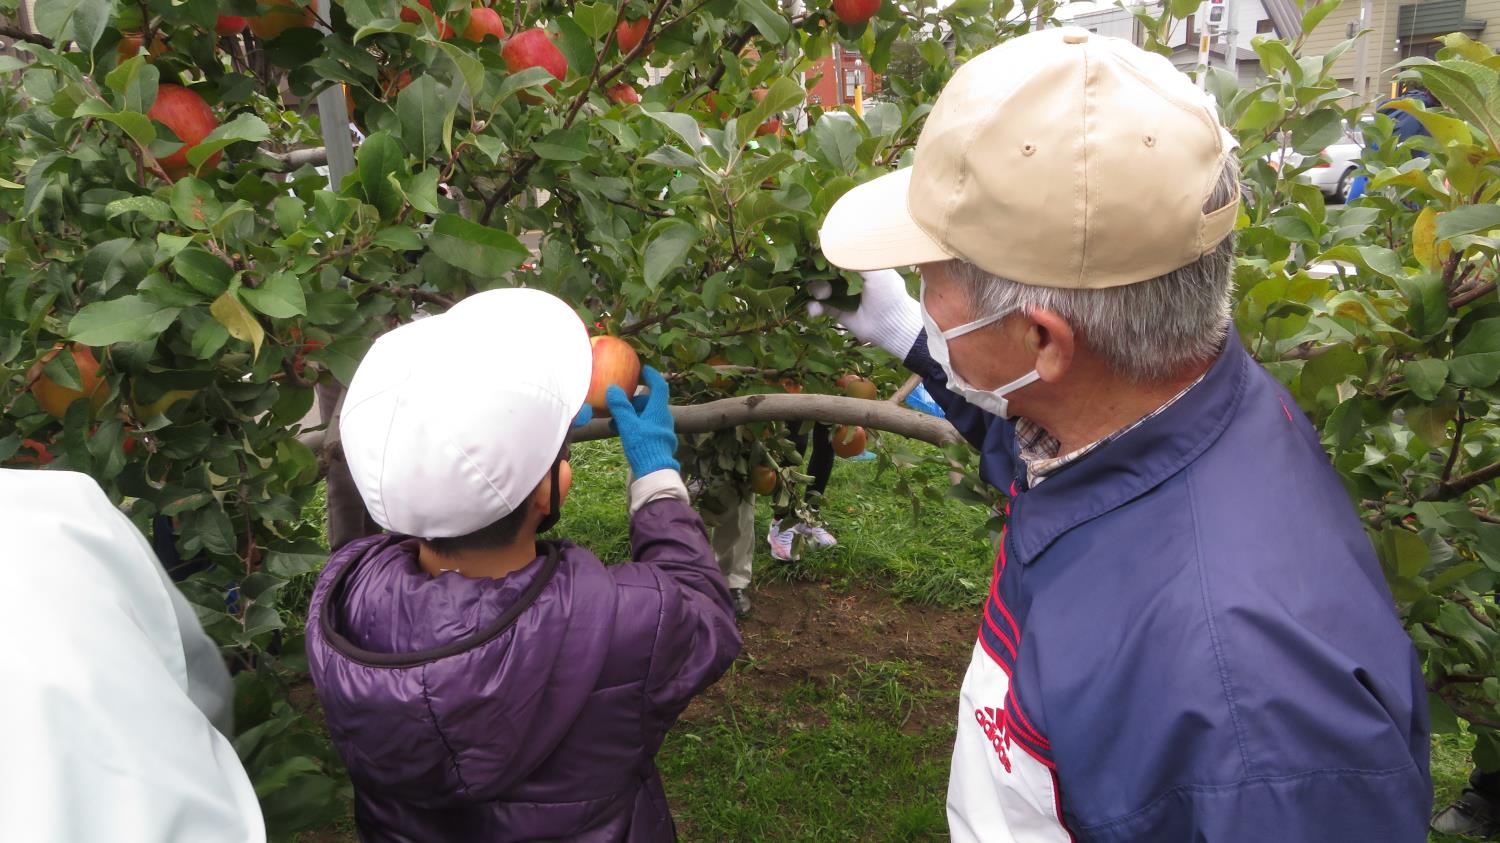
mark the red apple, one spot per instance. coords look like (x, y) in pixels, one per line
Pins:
(848, 441)
(411, 15)
(770, 127)
(190, 118)
(130, 46)
(484, 21)
(229, 25)
(391, 85)
(39, 454)
(763, 480)
(845, 379)
(56, 398)
(615, 363)
(534, 48)
(288, 15)
(791, 386)
(630, 33)
(855, 12)
(624, 93)
(861, 388)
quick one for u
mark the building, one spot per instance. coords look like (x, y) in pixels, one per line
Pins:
(838, 74)
(1398, 30)
(1249, 18)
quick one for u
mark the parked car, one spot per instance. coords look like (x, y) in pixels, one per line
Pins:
(1337, 165)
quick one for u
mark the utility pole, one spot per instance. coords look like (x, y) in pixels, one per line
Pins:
(1217, 26)
(1362, 51)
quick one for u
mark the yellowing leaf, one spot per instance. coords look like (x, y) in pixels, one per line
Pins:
(1424, 238)
(237, 320)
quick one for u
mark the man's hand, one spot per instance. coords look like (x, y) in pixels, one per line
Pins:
(645, 425)
(887, 315)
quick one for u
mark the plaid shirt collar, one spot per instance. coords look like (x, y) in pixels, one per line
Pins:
(1039, 449)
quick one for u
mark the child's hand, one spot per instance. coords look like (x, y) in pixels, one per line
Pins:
(645, 425)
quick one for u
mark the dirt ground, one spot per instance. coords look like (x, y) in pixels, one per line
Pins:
(802, 631)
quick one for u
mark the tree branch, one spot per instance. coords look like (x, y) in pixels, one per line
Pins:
(1458, 439)
(316, 156)
(1462, 484)
(13, 33)
(829, 409)
(1471, 295)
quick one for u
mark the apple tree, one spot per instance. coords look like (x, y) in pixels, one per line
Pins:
(179, 279)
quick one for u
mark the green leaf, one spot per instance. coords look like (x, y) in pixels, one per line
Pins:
(531, 77)
(1469, 219)
(295, 560)
(212, 527)
(681, 125)
(783, 94)
(138, 126)
(421, 191)
(379, 158)
(1426, 377)
(668, 246)
(244, 127)
(279, 297)
(769, 22)
(125, 319)
(1376, 259)
(195, 203)
(1404, 551)
(562, 145)
(206, 273)
(148, 207)
(420, 108)
(484, 251)
(135, 81)
(1315, 13)
(398, 238)
(1329, 369)
(342, 356)
(1476, 358)
(240, 323)
(595, 19)
(82, 21)
(290, 213)
(835, 140)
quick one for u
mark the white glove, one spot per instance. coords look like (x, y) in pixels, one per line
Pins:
(887, 315)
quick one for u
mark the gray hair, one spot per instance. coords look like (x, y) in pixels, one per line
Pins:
(1149, 331)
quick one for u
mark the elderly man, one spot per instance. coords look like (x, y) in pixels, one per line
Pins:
(1187, 635)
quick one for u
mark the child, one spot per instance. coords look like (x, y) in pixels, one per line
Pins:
(481, 685)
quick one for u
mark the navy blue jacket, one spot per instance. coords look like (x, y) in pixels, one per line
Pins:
(1195, 638)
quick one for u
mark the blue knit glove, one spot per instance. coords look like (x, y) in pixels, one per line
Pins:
(645, 425)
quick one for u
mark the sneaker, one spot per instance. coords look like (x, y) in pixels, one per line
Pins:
(741, 602)
(1472, 814)
(819, 536)
(781, 542)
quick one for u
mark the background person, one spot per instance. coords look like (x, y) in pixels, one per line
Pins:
(117, 708)
(1188, 636)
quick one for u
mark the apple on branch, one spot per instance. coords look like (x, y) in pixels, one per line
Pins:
(615, 364)
(190, 119)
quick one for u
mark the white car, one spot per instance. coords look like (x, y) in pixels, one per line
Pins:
(1338, 164)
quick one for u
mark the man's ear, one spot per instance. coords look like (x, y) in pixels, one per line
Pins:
(1053, 341)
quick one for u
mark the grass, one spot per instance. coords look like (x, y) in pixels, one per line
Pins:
(817, 734)
(939, 558)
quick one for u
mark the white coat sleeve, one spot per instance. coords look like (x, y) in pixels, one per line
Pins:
(103, 739)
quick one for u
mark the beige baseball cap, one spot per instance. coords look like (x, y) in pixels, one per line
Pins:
(1059, 159)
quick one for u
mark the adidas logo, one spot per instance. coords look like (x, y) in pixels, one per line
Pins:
(992, 721)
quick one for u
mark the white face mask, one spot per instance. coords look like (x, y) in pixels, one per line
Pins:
(991, 401)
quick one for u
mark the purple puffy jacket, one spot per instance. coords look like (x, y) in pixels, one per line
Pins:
(528, 708)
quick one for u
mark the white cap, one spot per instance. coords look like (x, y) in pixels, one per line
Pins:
(1057, 159)
(452, 421)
